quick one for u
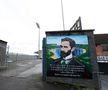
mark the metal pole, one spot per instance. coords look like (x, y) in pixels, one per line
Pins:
(39, 41)
(38, 26)
(62, 15)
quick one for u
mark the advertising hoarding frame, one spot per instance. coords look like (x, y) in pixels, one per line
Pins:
(92, 83)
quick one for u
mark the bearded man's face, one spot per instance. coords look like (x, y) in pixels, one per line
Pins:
(65, 48)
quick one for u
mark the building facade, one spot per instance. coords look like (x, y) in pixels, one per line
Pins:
(101, 41)
(3, 45)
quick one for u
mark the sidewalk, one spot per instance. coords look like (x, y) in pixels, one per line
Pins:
(104, 82)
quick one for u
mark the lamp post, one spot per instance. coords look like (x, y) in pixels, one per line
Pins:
(62, 14)
(38, 26)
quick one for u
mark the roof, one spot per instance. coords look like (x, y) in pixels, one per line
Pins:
(67, 32)
(101, 38)
(3, 41)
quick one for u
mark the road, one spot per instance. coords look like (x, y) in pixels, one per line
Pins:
(27, 75)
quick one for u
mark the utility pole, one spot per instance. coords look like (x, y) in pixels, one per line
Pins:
(38, 26)
(62, 15)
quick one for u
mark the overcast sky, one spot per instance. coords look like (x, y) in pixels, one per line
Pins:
(18, 20)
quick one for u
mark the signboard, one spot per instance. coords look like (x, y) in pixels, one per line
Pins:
(70, 57)
(102, 52)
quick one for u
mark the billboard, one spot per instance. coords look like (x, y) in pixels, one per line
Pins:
(68, 56)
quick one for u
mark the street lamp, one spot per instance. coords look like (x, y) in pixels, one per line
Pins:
(38, 26)
(62, 14)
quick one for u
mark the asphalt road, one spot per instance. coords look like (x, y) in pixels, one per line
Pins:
(27, 75)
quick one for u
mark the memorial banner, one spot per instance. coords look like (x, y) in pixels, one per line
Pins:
(68, 56)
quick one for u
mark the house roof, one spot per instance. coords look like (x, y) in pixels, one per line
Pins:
(101, 38)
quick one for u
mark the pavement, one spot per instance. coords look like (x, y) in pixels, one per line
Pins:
(104, 82)
(27, 75)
